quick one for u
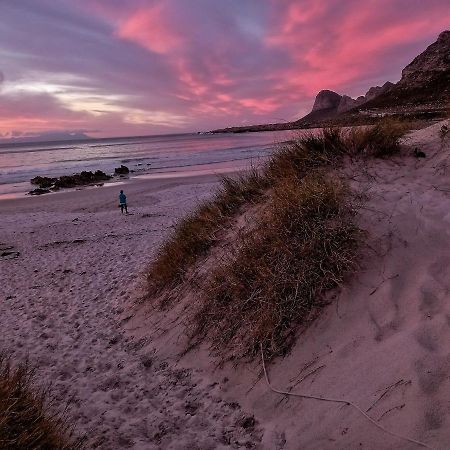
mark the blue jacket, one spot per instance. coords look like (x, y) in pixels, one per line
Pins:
(122, 199)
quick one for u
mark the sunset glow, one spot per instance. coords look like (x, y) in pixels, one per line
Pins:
(108, 67)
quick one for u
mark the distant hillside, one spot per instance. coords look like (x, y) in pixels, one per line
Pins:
(45, 137)
(423, 92)
(424, 83)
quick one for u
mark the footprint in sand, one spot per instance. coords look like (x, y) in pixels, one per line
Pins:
(431, 298)
(427, 338)
(434, 416)
(8, 251)
(432, 371)
(440, 271)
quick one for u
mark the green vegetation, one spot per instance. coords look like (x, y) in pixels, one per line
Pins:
(25, 420)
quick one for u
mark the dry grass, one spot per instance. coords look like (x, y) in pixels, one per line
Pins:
(276, 273)
(380, 141)
(25, 421)
(196, 233)
(303, 242)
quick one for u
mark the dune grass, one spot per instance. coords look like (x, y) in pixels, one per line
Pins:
(380, 141)
(196, 233)
(25, 420)
(304, 241)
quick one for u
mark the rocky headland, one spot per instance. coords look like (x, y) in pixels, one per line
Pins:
(423, 93)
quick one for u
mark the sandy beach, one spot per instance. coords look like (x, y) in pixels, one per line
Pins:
(277, 276)
(62, 298)
(70, 304)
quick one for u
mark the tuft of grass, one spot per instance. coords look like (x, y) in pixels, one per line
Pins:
(25, 422)
(196, 233)
(380, 141)
(302, 242)
(305, 243)
(308, 152)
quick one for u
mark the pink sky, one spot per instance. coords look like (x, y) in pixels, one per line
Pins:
(110, 68)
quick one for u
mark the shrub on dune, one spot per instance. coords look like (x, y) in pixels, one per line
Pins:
(380, 141)
(25, 421)
(274, 273)
(196, 233)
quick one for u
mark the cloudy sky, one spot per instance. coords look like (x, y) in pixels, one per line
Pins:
(116, 67)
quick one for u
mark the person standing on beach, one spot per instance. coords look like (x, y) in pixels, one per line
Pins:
(123, 202)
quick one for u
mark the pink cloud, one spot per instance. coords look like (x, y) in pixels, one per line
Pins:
(260, 106)
(333, 54)
(209, 63)
(152, 29)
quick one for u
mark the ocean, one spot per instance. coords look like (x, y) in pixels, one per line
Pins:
(149, 156)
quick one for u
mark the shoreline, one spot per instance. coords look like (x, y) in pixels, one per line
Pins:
(176, 172)
(155, 156)
(107, 192)
(79, 263)
(198, 170)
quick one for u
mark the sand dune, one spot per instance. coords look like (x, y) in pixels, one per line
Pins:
(382, 341)
(70, 303)
(61, 303)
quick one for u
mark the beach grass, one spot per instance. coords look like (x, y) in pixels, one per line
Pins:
(303, 242)
(195, 234)
(272, 278)
(25, 418)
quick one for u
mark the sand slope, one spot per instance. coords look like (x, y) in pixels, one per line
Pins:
(61, 305)
(382, 343)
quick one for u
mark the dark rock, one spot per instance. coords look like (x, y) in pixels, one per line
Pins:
(122, 170)
(67, 181)
(433, 61)
(326, 100)
(81, 179)
(348, 103)
(43, 182)
(39, 191)
(425, 82)
(419, 153)
(377, 90)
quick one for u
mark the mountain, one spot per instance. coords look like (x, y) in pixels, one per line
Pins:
(425, 82)
(53, 136)
(329, 104)
(423, 92)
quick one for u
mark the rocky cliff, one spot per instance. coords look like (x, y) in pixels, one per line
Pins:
(425, 82)
(329, 103)
(429, 65)
(326, 100)
(423, 89)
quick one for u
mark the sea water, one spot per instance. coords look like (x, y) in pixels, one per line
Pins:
(149, 156)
